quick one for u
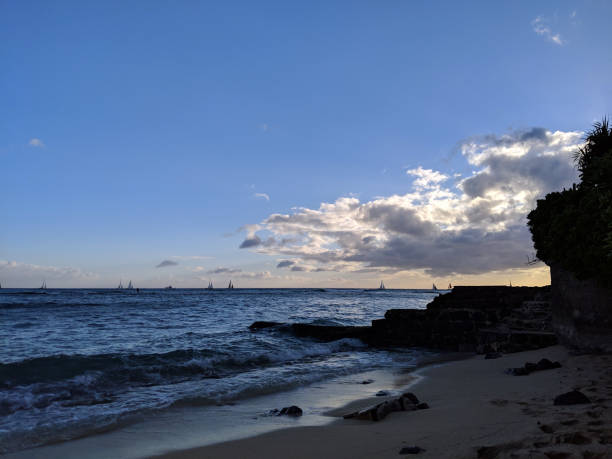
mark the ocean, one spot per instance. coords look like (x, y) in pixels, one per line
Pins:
(74, 362)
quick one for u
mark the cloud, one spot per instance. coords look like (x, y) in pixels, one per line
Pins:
(166, 263)
(472, 224)
(24, 273)
(541, 27)
(250, 242)
(285, 263)
(222, 270)
(426, 178)
(34, 142)
(262, 195)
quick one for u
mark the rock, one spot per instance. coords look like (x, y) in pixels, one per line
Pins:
(367, 381)
(382, 393)
(410, 396)
(290, 411)
(521, 371)
(263, 324)
(529, 367)
(422, 406)
(411, 450)
(574, 397)
(546, 364)
(407, 402)
(493, 355)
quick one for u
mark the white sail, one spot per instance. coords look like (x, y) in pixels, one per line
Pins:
(130, 286)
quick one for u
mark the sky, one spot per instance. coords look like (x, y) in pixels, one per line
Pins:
(289, 144)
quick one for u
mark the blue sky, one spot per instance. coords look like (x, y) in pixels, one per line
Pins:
(133, 133)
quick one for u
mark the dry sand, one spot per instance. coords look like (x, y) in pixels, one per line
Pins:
(473, 405)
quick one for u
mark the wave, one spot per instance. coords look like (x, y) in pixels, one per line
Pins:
(86, 379)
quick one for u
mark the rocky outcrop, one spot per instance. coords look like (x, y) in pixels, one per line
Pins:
(320, 332)
(483, 319)
(582, 311)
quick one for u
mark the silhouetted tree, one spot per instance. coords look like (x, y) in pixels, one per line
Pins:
(573, 228)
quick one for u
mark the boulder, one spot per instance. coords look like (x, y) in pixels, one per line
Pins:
(291, 411)
(574, 397)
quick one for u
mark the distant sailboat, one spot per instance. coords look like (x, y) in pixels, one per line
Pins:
(44, 285)
(210, 285)
(230, 286)
(130, 286)
(450, 287)
(382, 286)
(120, 286)
(510, 283)
(434, 287)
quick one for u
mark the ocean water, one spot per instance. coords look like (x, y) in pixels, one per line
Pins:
(76, 361)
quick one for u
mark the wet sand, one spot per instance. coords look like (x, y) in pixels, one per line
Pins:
(476, 410)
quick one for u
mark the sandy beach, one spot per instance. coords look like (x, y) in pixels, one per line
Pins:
(476, 410)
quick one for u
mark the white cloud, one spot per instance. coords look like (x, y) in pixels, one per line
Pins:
(34, 142)
(262, 195)
(476, 226)
(541, 27)
(426, 178)
(24, 274)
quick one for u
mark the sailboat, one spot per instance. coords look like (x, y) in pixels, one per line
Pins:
(44, 285)
(120, 286)
(450, 287)
(230, 286)
(130, 286)
(210, 285)
(434, 287)
(382, 286)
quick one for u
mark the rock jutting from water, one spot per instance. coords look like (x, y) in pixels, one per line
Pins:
(484, 319)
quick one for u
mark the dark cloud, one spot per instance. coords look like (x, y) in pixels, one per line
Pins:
(250, 242)
(224, 271)
(284, 263)
(397, 219)
(166, 263)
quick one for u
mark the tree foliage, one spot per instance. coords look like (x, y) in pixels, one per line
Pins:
(573, 228)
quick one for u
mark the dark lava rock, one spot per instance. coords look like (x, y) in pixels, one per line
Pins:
(493, 355)
(422, 406)
(574, 397)
(530, 367)
(382, 393)
(367, 381)
(291, 411)
(411, 450)
(410, 396)
(263, 324)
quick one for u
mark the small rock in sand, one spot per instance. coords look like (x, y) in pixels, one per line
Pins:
(382, 393)
(574, 397)
(291, 411)
(411, 450)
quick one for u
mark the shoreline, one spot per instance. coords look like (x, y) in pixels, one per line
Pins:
(473, 404)
(193, 426)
